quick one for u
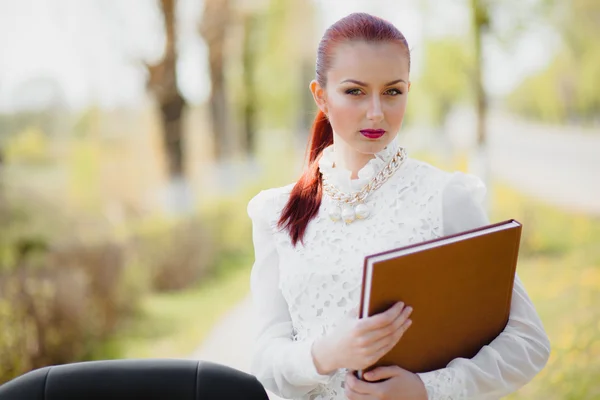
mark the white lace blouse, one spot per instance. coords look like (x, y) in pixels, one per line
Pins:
(300, 293)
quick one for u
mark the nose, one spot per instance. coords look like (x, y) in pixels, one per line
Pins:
(375, 112)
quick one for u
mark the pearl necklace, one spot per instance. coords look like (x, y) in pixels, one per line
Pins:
(352, 206)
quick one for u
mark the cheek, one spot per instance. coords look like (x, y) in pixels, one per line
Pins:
(395, 111)
(343, 110)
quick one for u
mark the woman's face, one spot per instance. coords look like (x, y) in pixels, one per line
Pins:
(365, 95)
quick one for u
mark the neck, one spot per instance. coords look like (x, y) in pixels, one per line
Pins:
(349, 159)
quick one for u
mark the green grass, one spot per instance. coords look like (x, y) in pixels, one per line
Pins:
(566, 293)
(175, 324)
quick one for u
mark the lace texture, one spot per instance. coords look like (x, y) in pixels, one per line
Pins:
(442, 384)
(321, 280)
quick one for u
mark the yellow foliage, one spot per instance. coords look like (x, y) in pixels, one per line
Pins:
(590, 278)
(31, 146)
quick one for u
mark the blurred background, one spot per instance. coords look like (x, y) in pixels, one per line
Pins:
(133, 134)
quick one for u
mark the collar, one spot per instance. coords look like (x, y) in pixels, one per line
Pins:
(341, 177)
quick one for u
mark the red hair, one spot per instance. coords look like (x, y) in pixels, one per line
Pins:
(305, 198)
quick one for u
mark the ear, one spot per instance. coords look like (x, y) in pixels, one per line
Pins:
(319, 95)
(409, 83)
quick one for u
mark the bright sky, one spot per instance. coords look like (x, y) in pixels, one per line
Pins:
(91, 48)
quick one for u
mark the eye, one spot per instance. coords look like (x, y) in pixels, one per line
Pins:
(393, 92)
(353, 92)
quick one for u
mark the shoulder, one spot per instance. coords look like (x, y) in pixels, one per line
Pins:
(425, 173)
(464, 186)
(463, 203)
(462, 195)
(269, 202)
(450, 183)
(463, 206)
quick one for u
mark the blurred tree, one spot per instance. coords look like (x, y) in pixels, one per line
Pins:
(267, 78)
(251, 23)
(162, 82)
(567, 89)
(480, 14)
(452, 65)
(454, 71)
(214, 26)
(480, 26)
(444, 87)
(283, 70)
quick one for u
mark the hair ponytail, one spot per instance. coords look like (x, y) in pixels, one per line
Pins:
(305, 198)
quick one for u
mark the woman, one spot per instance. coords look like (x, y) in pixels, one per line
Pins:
(310, 239)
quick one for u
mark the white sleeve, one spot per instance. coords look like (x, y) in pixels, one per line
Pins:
(519, 352)
(282, 365)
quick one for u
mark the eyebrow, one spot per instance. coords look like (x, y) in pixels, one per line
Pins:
(365, 85)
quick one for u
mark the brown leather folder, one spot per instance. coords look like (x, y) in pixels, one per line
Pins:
(460, 289)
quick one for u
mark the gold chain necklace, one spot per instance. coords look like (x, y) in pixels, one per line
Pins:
(352, 206)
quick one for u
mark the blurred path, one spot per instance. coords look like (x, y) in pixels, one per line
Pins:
(558, 164)
(231, 340)
(561, 166)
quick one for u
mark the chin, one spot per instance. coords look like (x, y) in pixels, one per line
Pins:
(373, 146)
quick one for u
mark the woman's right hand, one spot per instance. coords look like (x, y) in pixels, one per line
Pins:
(359, 343)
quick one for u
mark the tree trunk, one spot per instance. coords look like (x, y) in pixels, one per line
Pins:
(213, 28)
(171, 113)
(249, 64)
(218, 112)
(162, 83)
(480, 164)
(480, 21)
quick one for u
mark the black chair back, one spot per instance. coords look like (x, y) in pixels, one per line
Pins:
(132, 379)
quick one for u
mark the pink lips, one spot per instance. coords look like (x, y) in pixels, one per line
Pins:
(372, 133)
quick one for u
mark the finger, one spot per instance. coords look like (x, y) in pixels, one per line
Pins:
(380, 373)
(389, 330)
(399, 333)
(357, 386)
(384, 319)
(385, 344)
(352, 395)
(357, 389)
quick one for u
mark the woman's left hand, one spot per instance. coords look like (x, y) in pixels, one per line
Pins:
(400, 384)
